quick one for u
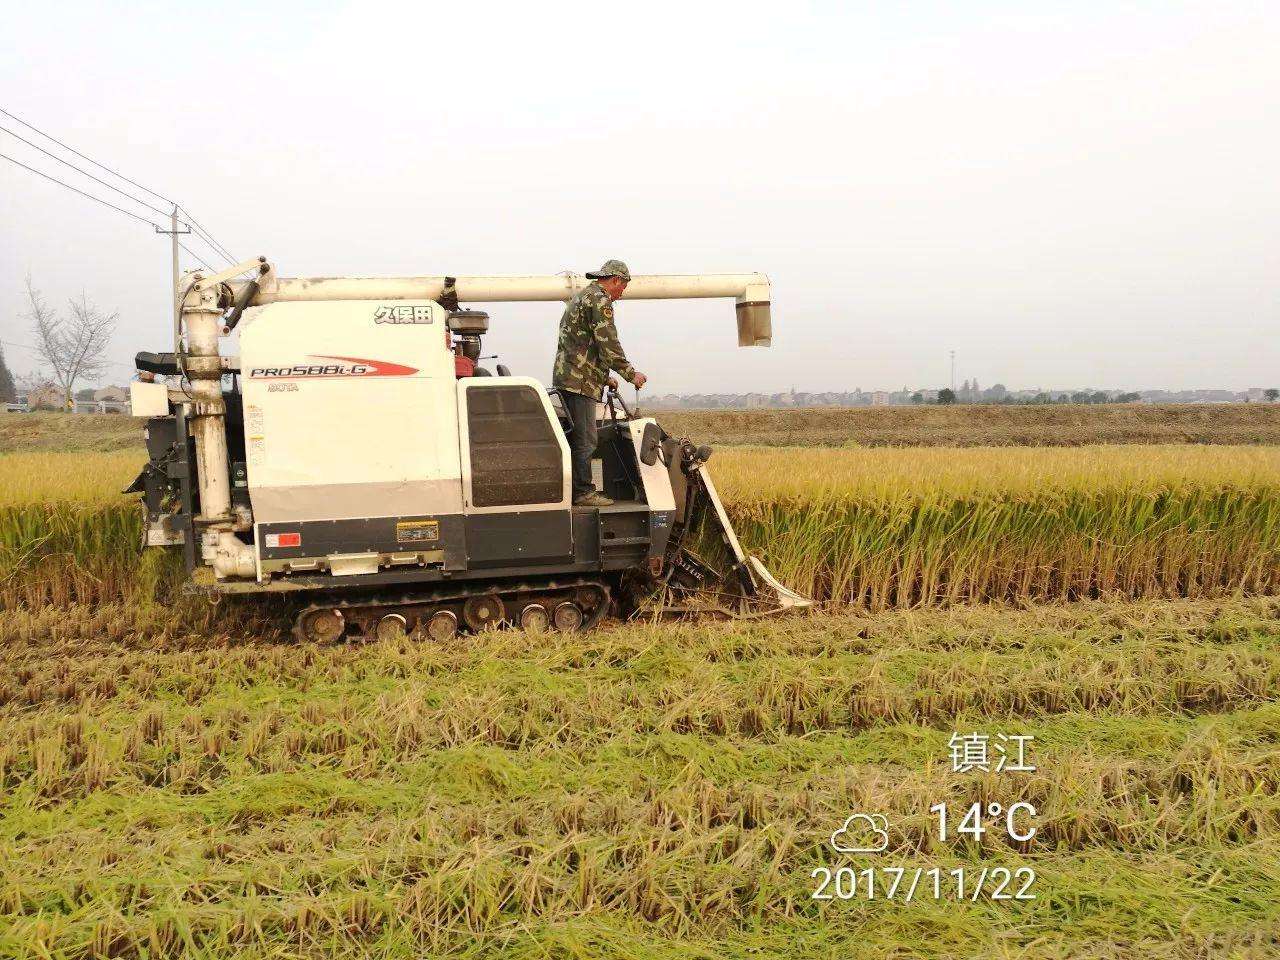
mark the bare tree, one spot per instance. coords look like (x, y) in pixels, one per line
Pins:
(74, 348)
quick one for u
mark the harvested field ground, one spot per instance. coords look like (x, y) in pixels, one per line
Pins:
(44, 432)
(637, 792)
(1052, 425)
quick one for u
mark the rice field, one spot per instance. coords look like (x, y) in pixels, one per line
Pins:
(184, 779)
(868, 529)
(906, 527)
(67, 533)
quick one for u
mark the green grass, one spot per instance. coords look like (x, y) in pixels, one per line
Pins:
(639, 791)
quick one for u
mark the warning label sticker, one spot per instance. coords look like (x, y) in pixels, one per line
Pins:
(417, 531)
(255, 434)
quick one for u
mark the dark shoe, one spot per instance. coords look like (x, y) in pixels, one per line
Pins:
(593, 499)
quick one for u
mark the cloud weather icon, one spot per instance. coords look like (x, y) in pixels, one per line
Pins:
(862, 833)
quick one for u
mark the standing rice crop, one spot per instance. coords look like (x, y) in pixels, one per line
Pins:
(66, 532)
(919, 526)
(874, 528)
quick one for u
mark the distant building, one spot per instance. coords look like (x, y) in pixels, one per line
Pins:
(112, 394)
(111, 399)
(879, 398)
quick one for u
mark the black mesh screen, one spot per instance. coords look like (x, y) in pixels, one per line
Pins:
(515, 457)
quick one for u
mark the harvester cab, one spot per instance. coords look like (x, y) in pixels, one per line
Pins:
(356, 454)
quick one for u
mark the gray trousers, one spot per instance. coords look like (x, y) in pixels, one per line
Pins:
(582, 439)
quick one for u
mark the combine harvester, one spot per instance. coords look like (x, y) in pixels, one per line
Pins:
(353, 451)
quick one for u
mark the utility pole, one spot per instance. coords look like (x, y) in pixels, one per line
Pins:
(173, 233)
(953, 369)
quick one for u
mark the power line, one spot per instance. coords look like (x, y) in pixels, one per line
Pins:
(63, 183)
(208, 237)
(198, 258)
(90, 159)
(191, 229)
(201, 232)
(109, 186)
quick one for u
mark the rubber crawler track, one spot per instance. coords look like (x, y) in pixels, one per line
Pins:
(366, 611)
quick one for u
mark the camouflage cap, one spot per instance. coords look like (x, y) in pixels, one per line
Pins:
(611, 268)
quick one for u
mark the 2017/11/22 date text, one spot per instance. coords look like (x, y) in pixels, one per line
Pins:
(924, 883)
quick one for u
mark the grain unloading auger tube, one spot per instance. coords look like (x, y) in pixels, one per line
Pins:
(450, 503)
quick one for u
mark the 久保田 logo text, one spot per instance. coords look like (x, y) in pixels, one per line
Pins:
(402, 313)
(337, 367)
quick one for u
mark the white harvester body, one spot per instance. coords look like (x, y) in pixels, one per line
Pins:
(346, 416)
(350, 458)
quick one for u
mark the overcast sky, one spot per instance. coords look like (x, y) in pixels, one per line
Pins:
(1066, 193)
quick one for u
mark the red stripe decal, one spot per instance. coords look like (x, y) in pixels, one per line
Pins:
(381, 368)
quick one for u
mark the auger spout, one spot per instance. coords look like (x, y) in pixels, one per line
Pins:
(751, 292)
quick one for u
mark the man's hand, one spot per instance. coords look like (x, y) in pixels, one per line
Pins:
(613, 383)
(640, 380)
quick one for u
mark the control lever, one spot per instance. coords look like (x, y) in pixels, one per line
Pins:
(615, 395)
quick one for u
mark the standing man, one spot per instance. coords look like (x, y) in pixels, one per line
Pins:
(587, 350)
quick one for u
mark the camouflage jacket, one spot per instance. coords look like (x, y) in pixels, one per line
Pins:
(589, 347)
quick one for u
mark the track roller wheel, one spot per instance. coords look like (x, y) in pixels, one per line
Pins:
(392, 627)
(535, 618)
(442, 625)
(592, 601)
(567, 617)
(481, 613)
(321, 626)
